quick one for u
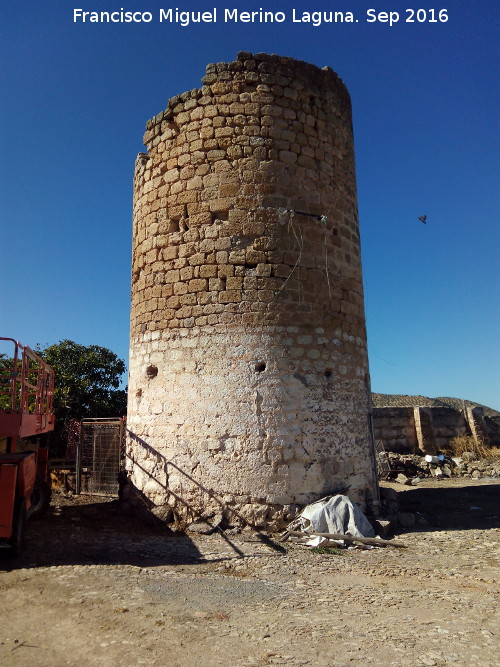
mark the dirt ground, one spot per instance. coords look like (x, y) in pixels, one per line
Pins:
(95, 587)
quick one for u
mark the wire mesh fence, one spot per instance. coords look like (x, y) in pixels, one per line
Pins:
(99, 456)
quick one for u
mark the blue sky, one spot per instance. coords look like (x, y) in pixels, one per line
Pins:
(76, 98)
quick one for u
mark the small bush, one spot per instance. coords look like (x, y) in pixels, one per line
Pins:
(466, 443)
(331, 551)
(493, 453)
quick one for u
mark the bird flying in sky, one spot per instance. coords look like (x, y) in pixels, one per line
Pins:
(423, 218)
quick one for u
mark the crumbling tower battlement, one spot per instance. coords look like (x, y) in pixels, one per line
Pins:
(249, 386)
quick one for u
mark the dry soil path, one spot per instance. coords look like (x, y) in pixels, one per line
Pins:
(95, 588)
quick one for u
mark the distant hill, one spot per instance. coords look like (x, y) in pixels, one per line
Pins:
(404, 401)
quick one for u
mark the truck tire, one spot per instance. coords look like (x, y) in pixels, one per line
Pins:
(18, 527)
(40, 498)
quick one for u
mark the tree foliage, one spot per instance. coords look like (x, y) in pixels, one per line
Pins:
(87, 380)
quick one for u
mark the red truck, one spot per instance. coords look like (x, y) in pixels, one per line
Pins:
(26, 392)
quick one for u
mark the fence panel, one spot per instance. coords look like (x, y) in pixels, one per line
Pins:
(99, 456)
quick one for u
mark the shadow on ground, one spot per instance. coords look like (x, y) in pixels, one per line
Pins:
(454, 508)
(96, 531)
(85, 530)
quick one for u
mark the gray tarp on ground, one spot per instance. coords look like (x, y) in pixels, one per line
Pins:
(333, 514)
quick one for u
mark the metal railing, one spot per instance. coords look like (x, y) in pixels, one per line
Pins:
(26, 393)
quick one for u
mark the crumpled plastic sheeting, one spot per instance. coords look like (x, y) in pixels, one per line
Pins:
(334, 514)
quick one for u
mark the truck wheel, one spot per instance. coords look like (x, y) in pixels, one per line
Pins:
(18, 526)
(40, 498)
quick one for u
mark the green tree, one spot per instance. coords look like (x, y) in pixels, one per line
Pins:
(87, 380)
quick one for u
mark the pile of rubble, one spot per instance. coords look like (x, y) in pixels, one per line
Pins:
(410, 468)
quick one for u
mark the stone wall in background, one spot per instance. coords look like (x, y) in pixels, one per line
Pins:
(429, 429)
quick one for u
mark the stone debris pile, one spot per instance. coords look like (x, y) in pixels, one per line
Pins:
(410, 468)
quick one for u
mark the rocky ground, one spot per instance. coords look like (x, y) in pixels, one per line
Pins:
(410, 468)
(95, 587)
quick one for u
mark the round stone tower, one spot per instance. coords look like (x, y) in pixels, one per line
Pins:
(249, 392)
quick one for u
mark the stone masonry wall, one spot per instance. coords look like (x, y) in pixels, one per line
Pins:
(249, 387)
(427, 429)
(395, 427)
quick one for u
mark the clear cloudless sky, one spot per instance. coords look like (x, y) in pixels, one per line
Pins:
(75, 100)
